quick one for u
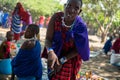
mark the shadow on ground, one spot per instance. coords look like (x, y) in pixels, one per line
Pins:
(101, 66)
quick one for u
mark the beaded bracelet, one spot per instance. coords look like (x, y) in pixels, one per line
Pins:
(49, 49)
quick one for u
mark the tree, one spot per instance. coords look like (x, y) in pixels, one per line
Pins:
(103, 12)
(36, 7)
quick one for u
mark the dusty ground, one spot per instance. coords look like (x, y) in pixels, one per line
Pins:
(99, 65)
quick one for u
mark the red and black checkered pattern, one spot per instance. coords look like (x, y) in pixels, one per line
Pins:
(69, 69)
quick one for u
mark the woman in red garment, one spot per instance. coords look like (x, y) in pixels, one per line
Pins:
(66, 42)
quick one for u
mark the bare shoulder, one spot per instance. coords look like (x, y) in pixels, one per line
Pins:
(28, 44)
(50, 29)
(52, 19)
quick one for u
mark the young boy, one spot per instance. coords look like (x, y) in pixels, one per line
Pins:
(5, 46)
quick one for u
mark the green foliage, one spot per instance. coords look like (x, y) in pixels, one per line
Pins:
(116, 22)
(36, 7)
(103, 10)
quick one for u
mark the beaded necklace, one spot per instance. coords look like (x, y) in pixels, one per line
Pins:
(63, 23)
(33, 38)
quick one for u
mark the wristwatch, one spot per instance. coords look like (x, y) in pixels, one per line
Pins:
(63, 60)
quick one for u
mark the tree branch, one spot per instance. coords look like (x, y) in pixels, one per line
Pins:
(99, 23)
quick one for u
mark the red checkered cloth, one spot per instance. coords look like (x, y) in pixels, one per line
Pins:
(69, 69)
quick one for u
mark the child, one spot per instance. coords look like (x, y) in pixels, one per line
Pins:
(27, 63)
(5, 46)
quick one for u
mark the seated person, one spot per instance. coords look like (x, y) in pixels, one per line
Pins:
(27, 63)
(108, 45)
(115, 57)
(6, 45)
(116, 45)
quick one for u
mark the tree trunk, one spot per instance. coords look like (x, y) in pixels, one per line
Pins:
(103, 37)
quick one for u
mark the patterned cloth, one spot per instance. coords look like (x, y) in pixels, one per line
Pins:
(17, 17)
(22, 13)
(16, 24)
(69, 69)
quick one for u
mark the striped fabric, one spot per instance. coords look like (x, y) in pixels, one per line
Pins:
(16, 24)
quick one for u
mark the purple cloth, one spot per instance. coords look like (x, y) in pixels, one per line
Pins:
(80, 36)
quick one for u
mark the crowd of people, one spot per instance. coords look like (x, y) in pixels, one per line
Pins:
(19, 19)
